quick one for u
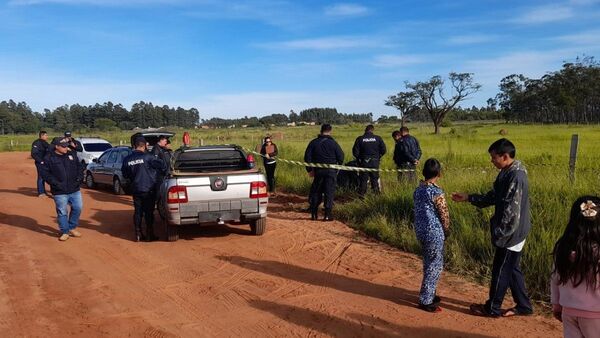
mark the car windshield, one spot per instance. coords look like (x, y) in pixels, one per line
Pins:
(96, 146)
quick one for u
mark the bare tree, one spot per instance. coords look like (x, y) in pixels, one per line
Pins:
(436, 103)
(405, 102)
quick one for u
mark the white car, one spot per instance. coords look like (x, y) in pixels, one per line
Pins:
(93, 147)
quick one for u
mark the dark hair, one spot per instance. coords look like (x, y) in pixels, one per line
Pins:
(396, 133)
(138, 142)
(503, 146)
(581, 236)
(326, 128)
(404, 129)
(42, 132)
(163, 137)
(431, 168)
(370, 127)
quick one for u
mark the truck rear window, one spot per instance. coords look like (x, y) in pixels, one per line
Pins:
(210, 160)
(96, 146)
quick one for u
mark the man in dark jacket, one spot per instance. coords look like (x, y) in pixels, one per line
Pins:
(368, 150)
(324, 150)
(39, 148)
(142, 170)
(407, 154)
(74, 145)
(161, 152)
(64, 173)
(509, 228)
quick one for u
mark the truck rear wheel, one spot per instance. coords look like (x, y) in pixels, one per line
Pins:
(259, 226)
(172, 231)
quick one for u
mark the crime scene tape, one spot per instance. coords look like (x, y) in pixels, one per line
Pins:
(330, 166)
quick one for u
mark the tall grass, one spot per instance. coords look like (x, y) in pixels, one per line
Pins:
(462, 150)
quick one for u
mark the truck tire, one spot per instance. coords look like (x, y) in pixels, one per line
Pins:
(172, 231)
(259, 226)
(117, 187)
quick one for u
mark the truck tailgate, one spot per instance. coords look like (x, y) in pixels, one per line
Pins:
(204, 197)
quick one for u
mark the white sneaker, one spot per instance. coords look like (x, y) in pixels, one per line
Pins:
(74, 233)
(63, 237)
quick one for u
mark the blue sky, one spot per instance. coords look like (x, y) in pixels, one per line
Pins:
(257, 57)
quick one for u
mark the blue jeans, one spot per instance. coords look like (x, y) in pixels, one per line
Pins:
(40, 182)
(68, 221)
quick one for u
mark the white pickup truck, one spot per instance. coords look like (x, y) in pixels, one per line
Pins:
(213, 184)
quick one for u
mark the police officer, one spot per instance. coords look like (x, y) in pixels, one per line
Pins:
(325, 150)
(368, 150)
(161, 152)
(39, 148)
(407, 154)
(74, 145)
(64, 173)
(142, 170)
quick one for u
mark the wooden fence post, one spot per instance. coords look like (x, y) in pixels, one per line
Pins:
(573, 156)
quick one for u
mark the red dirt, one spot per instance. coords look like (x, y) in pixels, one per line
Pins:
(301, 278)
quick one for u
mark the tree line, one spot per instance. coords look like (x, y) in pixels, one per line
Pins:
(19, 117)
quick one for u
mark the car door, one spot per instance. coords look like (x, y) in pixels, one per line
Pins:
(99, 170)
(123, 153)
(109, 168)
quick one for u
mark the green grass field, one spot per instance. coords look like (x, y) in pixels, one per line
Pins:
(463, 151)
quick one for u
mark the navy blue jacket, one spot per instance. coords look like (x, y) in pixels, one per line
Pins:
(39, 148)
(368, 150)
(142, 170)
(324, 149)
(64, 173)
(162, 154)
(407, 151)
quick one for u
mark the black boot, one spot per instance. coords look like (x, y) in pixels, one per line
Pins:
(328, 216)
(150, 237)
(139, 236)
(314, 214)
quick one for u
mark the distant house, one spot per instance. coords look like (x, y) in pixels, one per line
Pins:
(204, 126)
(244, 126)
(291, 124)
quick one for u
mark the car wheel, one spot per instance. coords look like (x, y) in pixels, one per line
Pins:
(259, 226)
(171, 230)
(89, 181)
(117, 187)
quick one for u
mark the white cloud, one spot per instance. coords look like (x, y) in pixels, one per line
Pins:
(390, 60)
(262, 103)
(344, 9)
(545, 14)
(587, 38)
(471, 39)
(328, 43)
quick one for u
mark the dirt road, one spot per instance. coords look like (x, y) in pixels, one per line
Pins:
(301, 278)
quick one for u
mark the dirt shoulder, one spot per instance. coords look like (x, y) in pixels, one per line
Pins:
(301, 278)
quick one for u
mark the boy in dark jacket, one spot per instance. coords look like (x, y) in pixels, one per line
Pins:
(509, 228)
(64, 173)
(39, 148)
(142, 170)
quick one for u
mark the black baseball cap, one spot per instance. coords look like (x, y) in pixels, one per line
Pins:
(67, 133)
(60, 141)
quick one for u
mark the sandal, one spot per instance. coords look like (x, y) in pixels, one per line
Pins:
(433, 307)
(480, 310)
(514, 312)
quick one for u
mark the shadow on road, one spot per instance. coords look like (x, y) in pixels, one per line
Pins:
(29, 224)
(339, 282)
(364, 326)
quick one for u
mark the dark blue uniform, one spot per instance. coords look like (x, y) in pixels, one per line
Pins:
(406, 153)
(39, 148)
(142, 170)
(325, 150)
(368, 150)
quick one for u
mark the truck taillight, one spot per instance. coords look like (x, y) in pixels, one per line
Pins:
(177, 194)
(258, 190)
(250, 160)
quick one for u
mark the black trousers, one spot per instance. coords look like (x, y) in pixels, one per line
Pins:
(407, 176)
(143, 205)
(506, 273)
(270, 169)
(323, 189)
(372, 176)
